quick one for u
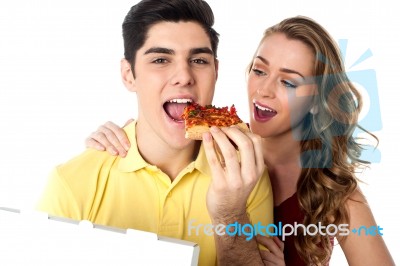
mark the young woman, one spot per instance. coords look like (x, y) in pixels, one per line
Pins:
(305, 109)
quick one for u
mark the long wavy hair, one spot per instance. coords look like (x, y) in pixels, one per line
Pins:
(330, 153)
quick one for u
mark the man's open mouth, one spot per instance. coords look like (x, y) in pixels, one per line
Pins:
(175, 107)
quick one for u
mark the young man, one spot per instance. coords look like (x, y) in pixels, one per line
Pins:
(162, 185)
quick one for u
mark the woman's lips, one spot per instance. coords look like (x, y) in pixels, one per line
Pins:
(263, 113)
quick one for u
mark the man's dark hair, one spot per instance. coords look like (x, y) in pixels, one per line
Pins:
(149, 12)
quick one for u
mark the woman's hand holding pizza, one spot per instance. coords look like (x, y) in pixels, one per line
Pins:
(274, 255)
(236, 174)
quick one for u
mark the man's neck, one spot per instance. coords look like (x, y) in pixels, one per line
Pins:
(161, 154)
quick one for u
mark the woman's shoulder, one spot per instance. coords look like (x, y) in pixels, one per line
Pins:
(356, 200)
(365, 235)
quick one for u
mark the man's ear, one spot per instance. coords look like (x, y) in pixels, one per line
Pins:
(127, 75)
(216, 68)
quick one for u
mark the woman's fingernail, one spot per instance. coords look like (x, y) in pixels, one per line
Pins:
(101, 148)
(127, 146)
(113, 151)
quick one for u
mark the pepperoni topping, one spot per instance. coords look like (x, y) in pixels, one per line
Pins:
(209, 115)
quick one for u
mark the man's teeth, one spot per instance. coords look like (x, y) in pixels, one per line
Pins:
(180, 101)
(262, 108)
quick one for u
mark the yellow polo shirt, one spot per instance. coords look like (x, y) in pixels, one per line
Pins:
(130, 193)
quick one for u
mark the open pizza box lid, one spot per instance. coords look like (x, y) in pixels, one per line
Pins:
(35, 238)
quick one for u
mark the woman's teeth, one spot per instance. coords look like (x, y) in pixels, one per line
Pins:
(265, 109)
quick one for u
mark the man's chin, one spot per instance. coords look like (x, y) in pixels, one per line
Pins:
(179, 142)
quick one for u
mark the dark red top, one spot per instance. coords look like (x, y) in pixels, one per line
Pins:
(288, 212)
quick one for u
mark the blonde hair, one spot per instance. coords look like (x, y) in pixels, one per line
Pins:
(330, 153)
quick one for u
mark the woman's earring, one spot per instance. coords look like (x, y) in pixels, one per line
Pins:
(314, 110)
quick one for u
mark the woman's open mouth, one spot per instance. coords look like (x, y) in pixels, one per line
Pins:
(263, 113)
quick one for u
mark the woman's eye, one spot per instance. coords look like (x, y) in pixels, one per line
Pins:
(258, 72)
(288, 84)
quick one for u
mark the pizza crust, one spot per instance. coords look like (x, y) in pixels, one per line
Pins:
(196, 132)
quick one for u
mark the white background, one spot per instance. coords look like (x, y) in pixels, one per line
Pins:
(59, 80)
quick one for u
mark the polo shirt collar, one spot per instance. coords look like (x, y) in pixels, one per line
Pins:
(134, 161)
(201, 162)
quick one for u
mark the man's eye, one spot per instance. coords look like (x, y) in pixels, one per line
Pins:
(159, 61)
(199, 61)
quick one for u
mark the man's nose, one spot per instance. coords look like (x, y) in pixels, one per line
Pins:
(183, 75)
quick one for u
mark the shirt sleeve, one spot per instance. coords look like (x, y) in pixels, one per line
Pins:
(57, 198)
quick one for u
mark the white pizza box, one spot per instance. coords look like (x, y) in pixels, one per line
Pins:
(35, 238)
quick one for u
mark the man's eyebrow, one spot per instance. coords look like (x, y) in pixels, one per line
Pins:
(201, 50)
(159, 50)
(193, 51)
(286, 70)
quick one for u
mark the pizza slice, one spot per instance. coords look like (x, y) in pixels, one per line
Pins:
(199, 119)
